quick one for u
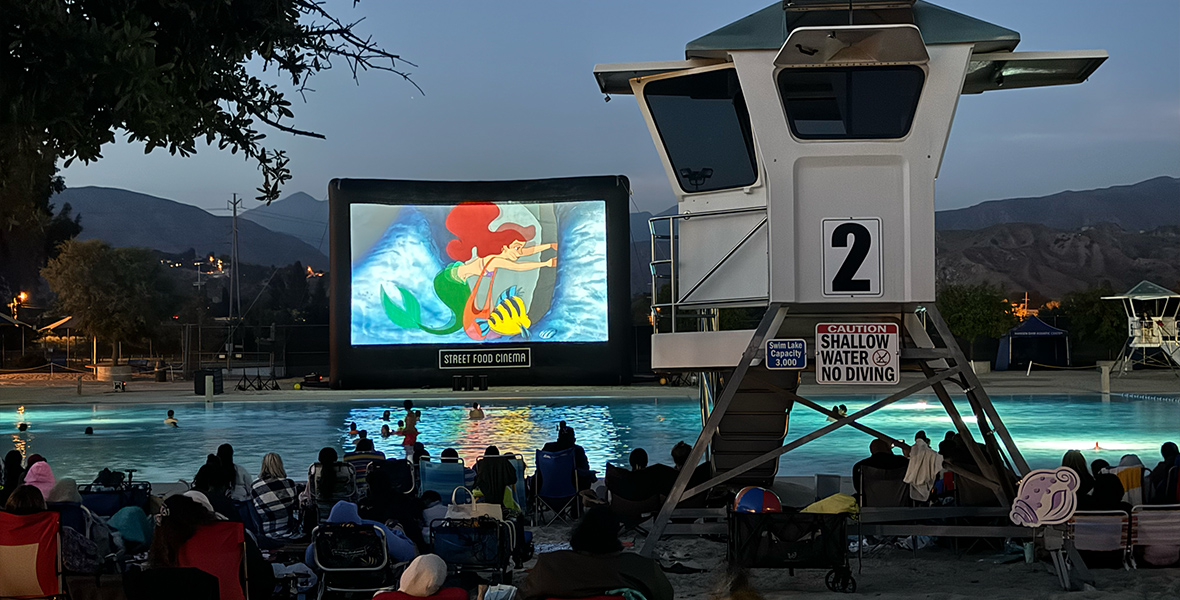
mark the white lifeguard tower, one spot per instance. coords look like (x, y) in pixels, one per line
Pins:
(802, 143)
(1152, 312)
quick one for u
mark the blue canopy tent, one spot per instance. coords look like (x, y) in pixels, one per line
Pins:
(1039, 337)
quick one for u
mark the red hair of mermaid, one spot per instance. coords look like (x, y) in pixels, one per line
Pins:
(470, 222)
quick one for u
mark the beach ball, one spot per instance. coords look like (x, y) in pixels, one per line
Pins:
(757, 500)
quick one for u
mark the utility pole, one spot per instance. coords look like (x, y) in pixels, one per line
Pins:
(235, 289)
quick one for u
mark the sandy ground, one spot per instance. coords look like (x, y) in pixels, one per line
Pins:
(931, 574)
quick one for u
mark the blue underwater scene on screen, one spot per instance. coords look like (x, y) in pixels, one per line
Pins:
(478, 273)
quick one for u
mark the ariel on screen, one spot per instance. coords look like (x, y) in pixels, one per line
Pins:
(478, 272)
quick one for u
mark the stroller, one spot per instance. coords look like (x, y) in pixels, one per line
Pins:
(792, 541)
(482, 546)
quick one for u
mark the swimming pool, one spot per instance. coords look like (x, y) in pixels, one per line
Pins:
(134, 435)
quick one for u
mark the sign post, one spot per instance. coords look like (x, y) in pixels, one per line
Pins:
(857, 353)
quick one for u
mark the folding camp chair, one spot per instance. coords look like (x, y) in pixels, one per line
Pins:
(556, 485)
(1154, 525)
(884, 487)
(220, 550)
(1102, 531)
(175, 583)
(519, 491)
(441, 477)
(483, 546)
(30, 555)
(353, 559)
(826, 485)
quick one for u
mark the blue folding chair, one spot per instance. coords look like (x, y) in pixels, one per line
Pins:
(442, 477)
(519, 490)
(557, 486)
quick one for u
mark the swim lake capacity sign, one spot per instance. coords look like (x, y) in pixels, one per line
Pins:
(783, 355)
(856, 353)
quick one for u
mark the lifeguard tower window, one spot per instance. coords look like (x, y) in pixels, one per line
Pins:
(854, 103)
(703, 122)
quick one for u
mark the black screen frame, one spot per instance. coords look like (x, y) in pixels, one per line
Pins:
(416, 365)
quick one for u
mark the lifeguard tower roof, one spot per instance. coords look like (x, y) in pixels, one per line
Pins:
(1145, 290)
(994, 64)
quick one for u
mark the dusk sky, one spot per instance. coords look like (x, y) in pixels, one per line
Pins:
(510, 95)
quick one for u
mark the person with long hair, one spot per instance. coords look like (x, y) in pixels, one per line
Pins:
(275, 500)
(478, 253)
(210, 482)
(1074, 460)
(25, 500)
(14, 474)
(237, 478)
(330, 481)
(594, 565)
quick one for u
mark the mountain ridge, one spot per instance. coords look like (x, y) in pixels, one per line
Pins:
(126, 218)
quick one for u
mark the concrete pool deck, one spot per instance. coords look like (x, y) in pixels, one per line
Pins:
(15, 391)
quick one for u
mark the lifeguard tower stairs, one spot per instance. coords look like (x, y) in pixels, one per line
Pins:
(802, 143)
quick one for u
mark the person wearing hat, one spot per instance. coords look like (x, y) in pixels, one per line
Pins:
(424, 579)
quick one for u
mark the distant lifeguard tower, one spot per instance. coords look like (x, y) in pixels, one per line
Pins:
(802, 143)
(1152, 312)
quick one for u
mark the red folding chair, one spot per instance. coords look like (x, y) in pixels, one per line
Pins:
(219, 549)
(30, 555)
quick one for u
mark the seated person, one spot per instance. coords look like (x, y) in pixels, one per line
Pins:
(638, 484)
(400, 548)
(881, 456)
(1107, 495)
(664, 477)
(179, 519)
(495, 477)
(391, 499)
(1159, 492)
(360, 458)
(66, 500)
(433, 511)
(451, 456)
(566, 439)
(275, 500)
(210, 483)
(595, 565)
(423, 579)
(330, 481)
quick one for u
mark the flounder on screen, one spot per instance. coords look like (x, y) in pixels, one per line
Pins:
(479, 272)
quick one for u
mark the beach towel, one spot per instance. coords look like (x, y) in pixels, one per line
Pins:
(1132, 480)
(834, 505)
(925, 465)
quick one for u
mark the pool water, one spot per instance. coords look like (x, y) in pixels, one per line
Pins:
(134, 436)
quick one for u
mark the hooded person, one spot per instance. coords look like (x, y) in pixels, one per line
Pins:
(13, 472)
(40, 476)
(66, 500)
(400, 548)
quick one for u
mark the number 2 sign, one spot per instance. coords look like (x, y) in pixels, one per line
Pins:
(852, 257)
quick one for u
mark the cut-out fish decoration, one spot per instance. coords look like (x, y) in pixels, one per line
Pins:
(509, 317)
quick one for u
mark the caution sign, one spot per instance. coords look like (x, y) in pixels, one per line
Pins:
(856, 353)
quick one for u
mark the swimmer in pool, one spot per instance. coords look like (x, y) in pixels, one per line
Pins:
(352, 430)
(171, 419)
(476, 412)
(22, 427)
(89, 431)
(385, 416)
(385, 431)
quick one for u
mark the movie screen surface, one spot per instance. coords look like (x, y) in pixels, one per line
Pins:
(478, 272)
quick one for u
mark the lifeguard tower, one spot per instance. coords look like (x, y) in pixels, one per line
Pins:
(1152, 312)
(802, 143)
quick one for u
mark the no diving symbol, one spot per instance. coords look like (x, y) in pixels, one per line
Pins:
(881, 357)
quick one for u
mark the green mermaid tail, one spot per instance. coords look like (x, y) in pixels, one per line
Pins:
(452, 292)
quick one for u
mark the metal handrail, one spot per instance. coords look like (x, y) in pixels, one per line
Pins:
(672, 236)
